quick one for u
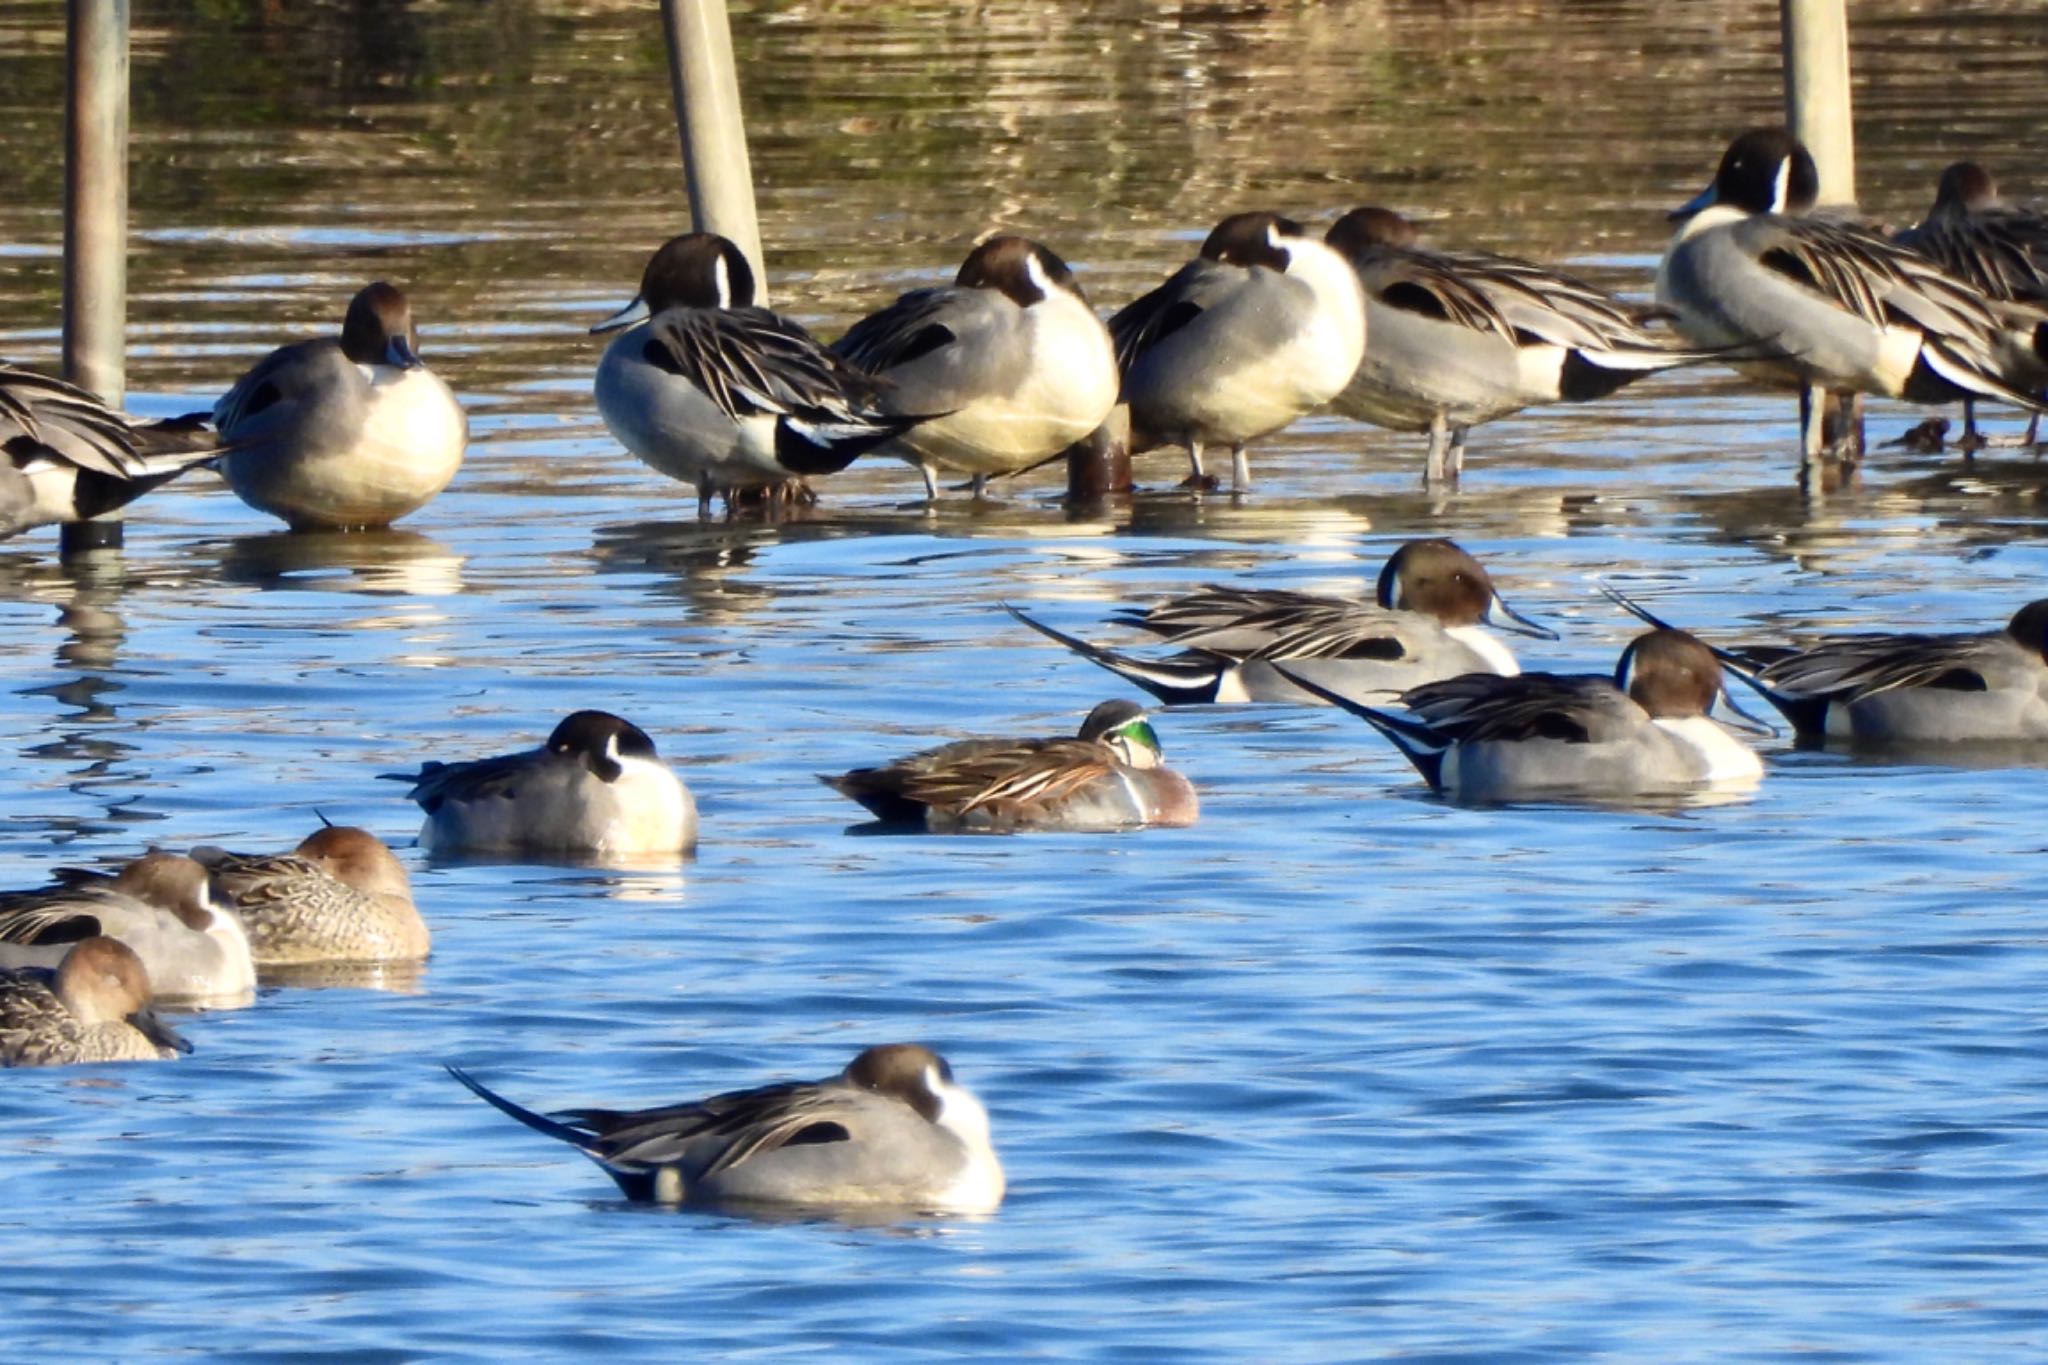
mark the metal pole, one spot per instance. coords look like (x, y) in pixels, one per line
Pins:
(96, 220)
(707, 93)
(1815, 36)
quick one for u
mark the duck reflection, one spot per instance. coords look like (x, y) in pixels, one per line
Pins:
(402, 563)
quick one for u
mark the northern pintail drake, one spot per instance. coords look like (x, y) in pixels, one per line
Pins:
(1266, 325)
(1644, 731)
(1112, 776)
(2003, 250)
(596, 787)
(344, 433)
(1462, 338)
(1967, 687)
(723, 395)
(1007, 367)
(93, 1008)
(69, 457)
(893, 1130)
(340, 896)
(1427, 620)
(160, 905)
(1845, 309)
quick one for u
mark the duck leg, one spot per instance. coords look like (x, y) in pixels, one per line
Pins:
(931, 482)
(1971, 441)
(1458, 452)
(1196, 478)
(1813, 405)
(1434, 468)
(1240, 469)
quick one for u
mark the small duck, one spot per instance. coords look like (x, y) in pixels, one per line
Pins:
(65, 456)
(1462, 338)
(1000, 372)
(1425, 622)
(725, 396)
(344, 433)
(2002, 250)
(1266, 325)
(1112, 777)
(1846, 309)
(160, 905)
(340, 896)
(93, 1008)
(893, 1130)
(597, 787)
(1966, 687)
(1645, 731)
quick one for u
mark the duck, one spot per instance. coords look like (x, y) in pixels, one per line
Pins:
(344, 433)
(1463, 338)
(160, 905)
(726, 396)
(2003, 250)
(1846, 309)
(892, 1130)
(1004, 369)
(68, 457)
(596, 788)
(1484, 739)
(1112, 776)
(1426, 621)
(1961, 687)
(340, 895)
(94, 1007)
(1264, 326)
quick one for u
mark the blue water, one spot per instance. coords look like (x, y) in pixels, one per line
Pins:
(1340, 1072)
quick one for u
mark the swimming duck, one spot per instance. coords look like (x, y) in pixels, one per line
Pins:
(1646, 730)
(725, 396)
(1007, 367)
(1461, 338)
(596, 787)
(1962, 687)
(65, 456)
(93, 1008)
(1425, 622)
(347, 432)
(1266, 325)
(340, 896)
(1848, 309)
(894, 1129)
(160, 905)
(1112, 776)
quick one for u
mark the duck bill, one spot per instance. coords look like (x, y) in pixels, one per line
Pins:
(1703, 199)
(636, 311)
(399, 352)
(158, 1032)
(1735, 718)
(1501, 616)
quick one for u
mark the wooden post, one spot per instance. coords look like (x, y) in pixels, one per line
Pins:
(1099, 464)
(96, 220)
(1815, 37)
(707, 94)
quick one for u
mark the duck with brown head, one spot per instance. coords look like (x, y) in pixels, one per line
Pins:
(94, 1007)
(340, 896)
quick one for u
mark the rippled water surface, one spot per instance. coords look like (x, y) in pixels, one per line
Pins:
(1340, 1072)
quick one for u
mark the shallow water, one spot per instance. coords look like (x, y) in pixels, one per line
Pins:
(1339, 1072)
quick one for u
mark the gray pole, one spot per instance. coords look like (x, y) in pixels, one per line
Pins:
(707, 92)
(96, 219)
(1815, 35)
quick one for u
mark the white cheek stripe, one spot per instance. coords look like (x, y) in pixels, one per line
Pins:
(1781, 186)
(723, 279)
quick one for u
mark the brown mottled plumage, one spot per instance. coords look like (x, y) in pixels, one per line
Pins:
(340, 896)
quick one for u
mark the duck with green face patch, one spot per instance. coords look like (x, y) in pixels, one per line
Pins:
(1111, 776)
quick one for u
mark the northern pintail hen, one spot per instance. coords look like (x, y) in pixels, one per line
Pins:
(1644, 731)
(161, 905)
(340, 896)
(93, 1008)
(69, 457)
(1112, 776)
(723, 395)
(596, 787)
(1266, 325)
(343, 433)
(1966, 687)
(2003, 250)
(893, 1130)
(1427, 621)
(1007, 366)
(1845, 309)
(1462, 338)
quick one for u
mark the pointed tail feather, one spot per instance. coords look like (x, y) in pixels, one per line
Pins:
(1174, 682)
(1423, 745)
(540, 1123)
